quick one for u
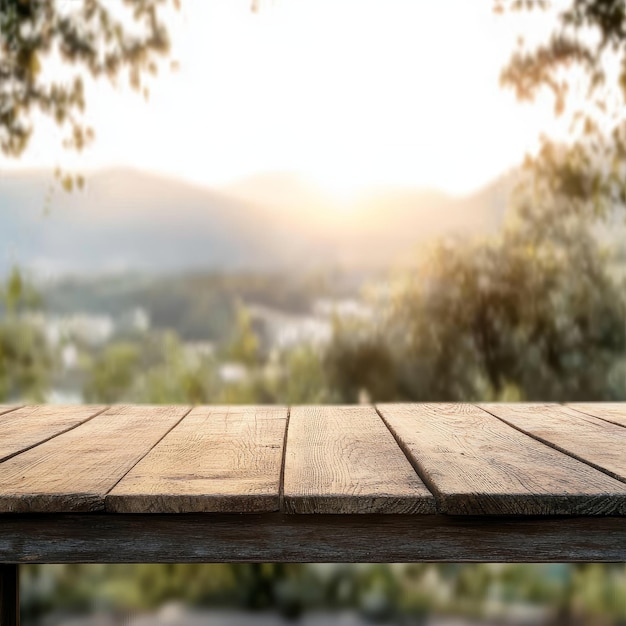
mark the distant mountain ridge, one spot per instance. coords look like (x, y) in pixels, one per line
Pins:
(132, 220)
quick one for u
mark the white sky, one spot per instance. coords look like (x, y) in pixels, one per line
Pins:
(349, 93)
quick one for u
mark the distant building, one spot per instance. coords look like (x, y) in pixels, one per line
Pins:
(136, 320)
(233, 373)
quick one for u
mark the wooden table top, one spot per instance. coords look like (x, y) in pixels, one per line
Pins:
(422, 465)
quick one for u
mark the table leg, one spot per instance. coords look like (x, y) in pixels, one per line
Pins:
(9, 595)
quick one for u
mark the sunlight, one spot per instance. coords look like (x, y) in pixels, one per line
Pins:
(343, 191)
(351, 95)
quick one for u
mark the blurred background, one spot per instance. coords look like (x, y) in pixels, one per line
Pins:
(306, 201)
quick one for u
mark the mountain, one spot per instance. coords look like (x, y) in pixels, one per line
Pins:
(131, 220)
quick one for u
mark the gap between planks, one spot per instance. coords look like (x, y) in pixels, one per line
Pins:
(156, 443)
(343, 459)
(26, 427)
(75, 470)
(613, 412)
(399, 444)
(477, 464)
(219, 459)
(590, 440)
(281, 488)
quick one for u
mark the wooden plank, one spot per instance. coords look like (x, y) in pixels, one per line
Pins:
(31, 425)
(9, 595)
(6, 408)
(272, 537)
(344, 460)
(476, 464)
(589, 439)
(218, 459)
(610, 411)
(74, 471)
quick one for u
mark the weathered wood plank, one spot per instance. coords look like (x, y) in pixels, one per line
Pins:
(6, 408)
(199, 538)
(476, 464)
(26, 427)
(589, 439)
(218, 459)
(610, 411)
(9, 595)
(344, 460)
(74, 471)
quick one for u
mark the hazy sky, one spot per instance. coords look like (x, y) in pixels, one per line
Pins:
(350, 93)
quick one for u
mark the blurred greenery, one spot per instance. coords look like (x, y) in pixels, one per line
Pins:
(91, 37)
(26, 358)
(198, 306)
(517, 317)
(537, 312)
(552, 593)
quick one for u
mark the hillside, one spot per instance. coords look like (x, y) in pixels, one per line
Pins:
(129, 220)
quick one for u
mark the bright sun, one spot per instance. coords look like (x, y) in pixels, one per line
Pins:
(342, 191)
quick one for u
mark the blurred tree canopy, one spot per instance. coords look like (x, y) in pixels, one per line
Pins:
(94, 38)
(538, 311)
(153, 369)
(583, 67)
(506, 319)
(26, 359)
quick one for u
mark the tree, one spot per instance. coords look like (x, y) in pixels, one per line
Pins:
(154, 369)
(26, 358)
(538, 311)
(94, 38)
(583, 66)
(112, 375)
(512, 318)
(244, 346)
(360, 362)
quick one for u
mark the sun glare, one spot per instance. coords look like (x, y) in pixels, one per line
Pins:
(342, 191)
(350, 94)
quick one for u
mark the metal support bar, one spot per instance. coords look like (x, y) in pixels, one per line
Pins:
(9, 595)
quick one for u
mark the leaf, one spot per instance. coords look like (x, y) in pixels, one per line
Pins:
(14, 289)
(68, 183)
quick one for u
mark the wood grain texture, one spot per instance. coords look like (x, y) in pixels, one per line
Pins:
(74, 471)
(199, 538)
(594, 441)
(344, 460)
(610, 411)
(9, 595)
(218, 459)
(5, 408)
(476, 464)
(26, 427)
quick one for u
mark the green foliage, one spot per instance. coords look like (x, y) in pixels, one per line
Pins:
(571, 593)
(537, 312)
(588, 43)
(26, 359)
(157, 368)
(92, 37)
(361, 361)
(303, 379)
(198, 307)
(517, 317)
(17, 294)
(152, 370)
(179, 378)
(244, 346)
(112, 374)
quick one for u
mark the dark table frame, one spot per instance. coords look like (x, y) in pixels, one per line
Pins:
(276, 537)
